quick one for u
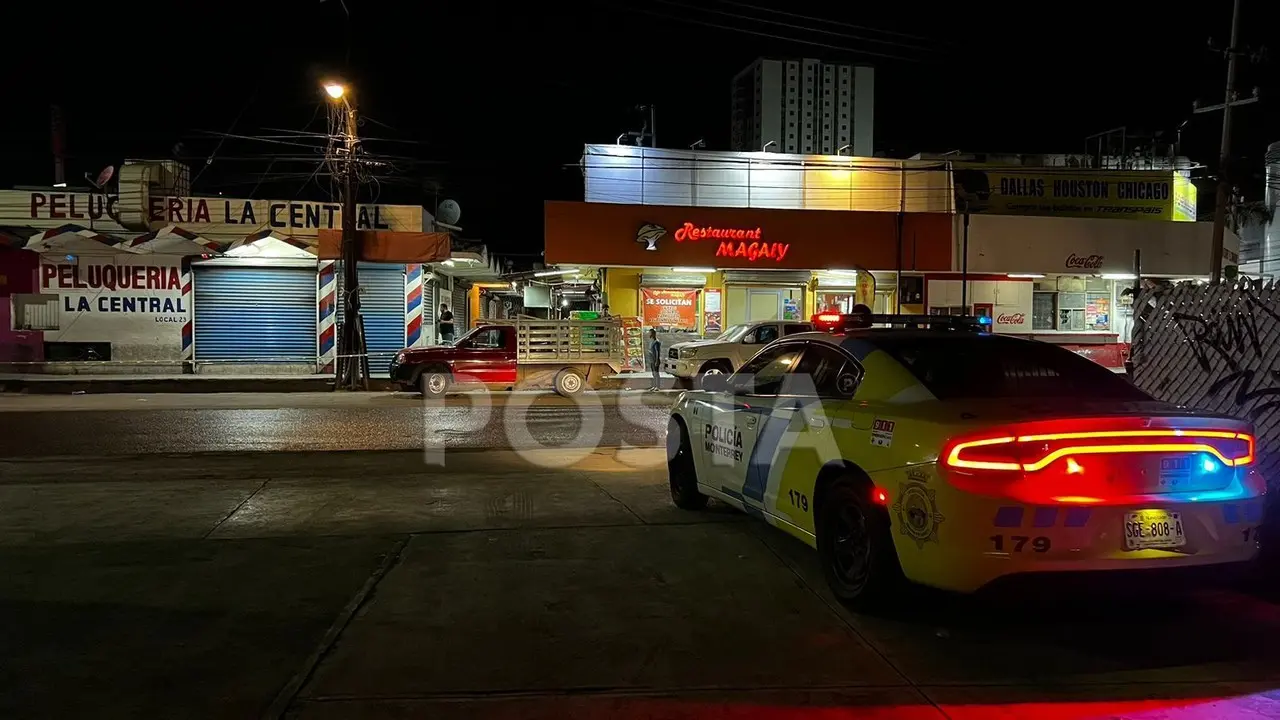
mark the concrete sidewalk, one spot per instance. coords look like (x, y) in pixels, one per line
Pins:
(57, 384)
(279, 400)
(60, 384)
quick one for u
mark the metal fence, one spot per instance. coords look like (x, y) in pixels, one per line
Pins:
(1214, 348)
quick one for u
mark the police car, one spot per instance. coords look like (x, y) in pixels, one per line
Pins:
(931, 450)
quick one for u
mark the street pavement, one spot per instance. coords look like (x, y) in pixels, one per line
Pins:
(547, 584)
(112, 425)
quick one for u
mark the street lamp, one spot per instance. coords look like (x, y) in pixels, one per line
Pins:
(335, 90)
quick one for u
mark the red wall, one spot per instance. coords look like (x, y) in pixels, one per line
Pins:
(18, 271)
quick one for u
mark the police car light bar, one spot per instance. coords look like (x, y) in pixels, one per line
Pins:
(834, 322)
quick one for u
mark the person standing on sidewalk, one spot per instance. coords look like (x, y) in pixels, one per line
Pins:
(655, 358)
(446, 324)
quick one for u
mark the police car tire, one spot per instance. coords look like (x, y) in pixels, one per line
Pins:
(681, 473)
(884, 574)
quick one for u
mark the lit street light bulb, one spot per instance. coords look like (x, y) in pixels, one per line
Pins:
(335, 90)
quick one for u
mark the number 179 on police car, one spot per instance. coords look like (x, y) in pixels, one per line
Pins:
(1153, 529)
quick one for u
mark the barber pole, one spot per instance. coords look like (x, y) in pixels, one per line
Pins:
(328, 305)
(413, 305)
(188, 328)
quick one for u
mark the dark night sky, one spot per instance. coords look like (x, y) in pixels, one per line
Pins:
(499, 98)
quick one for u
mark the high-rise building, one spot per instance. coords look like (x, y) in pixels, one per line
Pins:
(804, 106)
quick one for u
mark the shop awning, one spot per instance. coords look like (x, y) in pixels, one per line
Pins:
(389, 247)
(15, 236)
(75, 240)
(174, 240)
(299, 243)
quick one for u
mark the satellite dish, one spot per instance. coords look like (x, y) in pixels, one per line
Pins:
(105, 176)
(448, 212)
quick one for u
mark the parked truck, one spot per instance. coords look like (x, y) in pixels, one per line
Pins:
(565, 355)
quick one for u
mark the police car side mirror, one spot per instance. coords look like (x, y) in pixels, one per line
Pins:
(716, 382)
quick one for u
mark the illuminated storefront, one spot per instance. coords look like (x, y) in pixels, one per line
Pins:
(685, 269)
(1063, 280)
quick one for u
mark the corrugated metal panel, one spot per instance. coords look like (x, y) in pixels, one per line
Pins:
(260, 315)
(768, 277)
(382, 307)
(429, 305)
(661, 280)
(459, 308)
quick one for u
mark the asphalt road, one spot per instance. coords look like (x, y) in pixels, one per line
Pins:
(97, 425)
(513, 585)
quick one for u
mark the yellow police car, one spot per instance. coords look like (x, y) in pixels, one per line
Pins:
(953, 458)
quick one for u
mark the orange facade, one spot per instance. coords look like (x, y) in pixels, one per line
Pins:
(740, 238)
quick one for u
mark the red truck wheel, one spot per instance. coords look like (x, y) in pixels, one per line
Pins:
(433, 383)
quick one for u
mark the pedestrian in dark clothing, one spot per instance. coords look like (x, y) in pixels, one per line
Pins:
(446, 324)
(655, 358)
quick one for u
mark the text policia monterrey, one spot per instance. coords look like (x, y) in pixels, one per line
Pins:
(735, 242)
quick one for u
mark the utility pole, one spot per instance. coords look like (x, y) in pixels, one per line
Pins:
(1233, 52)
(357, 366)
(353, 368)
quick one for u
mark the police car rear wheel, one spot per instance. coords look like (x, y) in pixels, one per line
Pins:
(855, 547)
(681, 473)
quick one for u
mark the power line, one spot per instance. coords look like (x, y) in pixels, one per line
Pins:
(793, 26)
(827, 21)
(760, 33)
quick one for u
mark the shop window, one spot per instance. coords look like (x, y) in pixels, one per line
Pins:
(950, 310)
(1071, 307)
(33, 311)
(1044, 310)
(1097, 311)
(1073, 304)
(836, 302)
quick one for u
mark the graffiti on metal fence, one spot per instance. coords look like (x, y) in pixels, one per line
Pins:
(1213, 348)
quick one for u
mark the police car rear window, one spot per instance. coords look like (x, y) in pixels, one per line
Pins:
(955, 366)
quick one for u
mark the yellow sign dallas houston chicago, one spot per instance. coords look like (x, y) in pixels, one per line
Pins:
(1129, 194)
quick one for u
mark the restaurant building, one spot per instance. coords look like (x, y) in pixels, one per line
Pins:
(697, 241)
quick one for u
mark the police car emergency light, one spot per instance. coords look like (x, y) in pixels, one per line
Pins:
(841, 323)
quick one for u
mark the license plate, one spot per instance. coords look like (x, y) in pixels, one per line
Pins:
(1153, 529)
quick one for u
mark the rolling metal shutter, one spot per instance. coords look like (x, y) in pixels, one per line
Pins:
(429, 305)
(383, 308)
(767, 277)
(255, 314)
(659, 280)
(459, 308)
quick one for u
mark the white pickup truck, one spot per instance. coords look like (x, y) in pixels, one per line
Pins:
(725, 353)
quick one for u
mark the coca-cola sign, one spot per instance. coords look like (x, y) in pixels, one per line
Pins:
(1084, 262)
(1011, 319)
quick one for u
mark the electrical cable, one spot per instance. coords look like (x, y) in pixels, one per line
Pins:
(760, 33)
(793, 26)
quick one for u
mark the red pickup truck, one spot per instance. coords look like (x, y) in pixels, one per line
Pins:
(566, 355)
